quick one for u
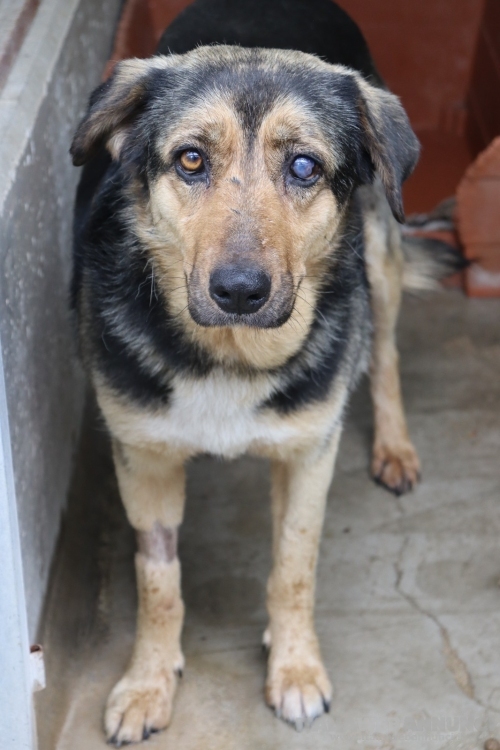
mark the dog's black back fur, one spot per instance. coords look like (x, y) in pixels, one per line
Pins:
(319, 27)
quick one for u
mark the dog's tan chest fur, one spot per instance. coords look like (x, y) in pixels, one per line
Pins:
(222, 416)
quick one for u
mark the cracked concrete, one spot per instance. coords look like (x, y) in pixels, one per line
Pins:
(408, 602)
(453, 662)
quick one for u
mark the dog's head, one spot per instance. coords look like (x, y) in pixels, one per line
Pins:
(244, 162)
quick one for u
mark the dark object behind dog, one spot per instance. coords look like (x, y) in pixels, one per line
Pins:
(319, 28)
(237, 267)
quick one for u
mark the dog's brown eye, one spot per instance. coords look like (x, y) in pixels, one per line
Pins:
(191, 161)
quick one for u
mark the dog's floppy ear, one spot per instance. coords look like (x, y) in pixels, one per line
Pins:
(389, 140)
(112, 106)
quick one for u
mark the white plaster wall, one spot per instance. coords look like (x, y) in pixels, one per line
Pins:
(60, 62)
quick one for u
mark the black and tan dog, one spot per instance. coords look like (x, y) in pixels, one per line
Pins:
(237, 267)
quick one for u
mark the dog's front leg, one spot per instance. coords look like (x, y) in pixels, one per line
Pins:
(152, 490)
(297, 685)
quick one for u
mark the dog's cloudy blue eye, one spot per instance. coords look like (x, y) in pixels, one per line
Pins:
(303, 167)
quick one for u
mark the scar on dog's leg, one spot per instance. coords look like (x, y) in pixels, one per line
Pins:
(152, 490)
(297, 685)
(395, 462)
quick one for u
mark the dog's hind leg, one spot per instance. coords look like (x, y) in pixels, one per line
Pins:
(152, 490)
(395, 463)
(297, 685)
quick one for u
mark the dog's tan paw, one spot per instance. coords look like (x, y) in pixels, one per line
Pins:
(298, 693)
(397, 469)
(137, 707)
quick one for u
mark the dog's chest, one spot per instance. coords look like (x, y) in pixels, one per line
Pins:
(222, 415)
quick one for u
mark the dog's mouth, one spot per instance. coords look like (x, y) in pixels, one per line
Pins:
(240, 295)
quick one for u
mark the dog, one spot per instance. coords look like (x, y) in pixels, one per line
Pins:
(238, 265)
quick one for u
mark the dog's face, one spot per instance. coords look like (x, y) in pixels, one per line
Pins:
(243, 163)
(250, 198)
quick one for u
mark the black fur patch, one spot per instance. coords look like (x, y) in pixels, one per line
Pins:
(319, 27)
(341, 310)
(130, 336)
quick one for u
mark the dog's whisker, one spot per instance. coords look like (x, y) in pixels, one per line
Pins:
(176, 289)
(178, 314)
(292, 322)
(299, 313)
(316, 309)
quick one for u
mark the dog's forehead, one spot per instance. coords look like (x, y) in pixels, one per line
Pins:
(248, 89)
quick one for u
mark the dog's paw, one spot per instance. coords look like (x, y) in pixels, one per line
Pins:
(298, 693)
(138, 706)
(397, 469)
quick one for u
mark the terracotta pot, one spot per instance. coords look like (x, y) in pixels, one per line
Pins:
(478, 221)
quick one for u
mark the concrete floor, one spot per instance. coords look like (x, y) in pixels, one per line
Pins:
(408, 604)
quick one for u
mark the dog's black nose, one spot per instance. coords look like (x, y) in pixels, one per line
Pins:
(239, 289)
